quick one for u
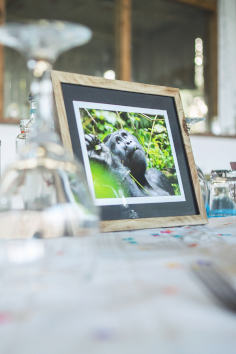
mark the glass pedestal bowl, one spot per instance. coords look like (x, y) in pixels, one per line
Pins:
(44, 193)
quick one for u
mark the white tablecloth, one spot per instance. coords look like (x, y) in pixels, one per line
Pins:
(118, 293)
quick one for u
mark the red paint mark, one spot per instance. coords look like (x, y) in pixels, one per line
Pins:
(167, 232)
(169, 290)
(5, 317)
(193, 245)
(60, 253)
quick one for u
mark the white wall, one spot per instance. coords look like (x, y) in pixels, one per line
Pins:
(213, 153)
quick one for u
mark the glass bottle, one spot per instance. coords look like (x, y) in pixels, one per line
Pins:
(26, 125)
(21, 138)
(33, 109)
(201, 177)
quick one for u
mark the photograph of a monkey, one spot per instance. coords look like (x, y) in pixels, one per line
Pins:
(129, 154)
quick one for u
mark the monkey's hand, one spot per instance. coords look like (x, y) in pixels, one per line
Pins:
(91, 141)
(98, 151)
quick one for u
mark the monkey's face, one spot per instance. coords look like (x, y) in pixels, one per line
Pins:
(125, 146)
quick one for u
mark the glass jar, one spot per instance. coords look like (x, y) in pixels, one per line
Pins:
(223, 193)
(204, 187)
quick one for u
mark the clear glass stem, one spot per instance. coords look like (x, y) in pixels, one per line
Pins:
(41, 88)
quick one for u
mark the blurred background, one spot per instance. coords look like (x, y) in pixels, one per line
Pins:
(189, 44)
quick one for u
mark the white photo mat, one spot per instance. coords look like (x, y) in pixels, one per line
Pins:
(130, 200)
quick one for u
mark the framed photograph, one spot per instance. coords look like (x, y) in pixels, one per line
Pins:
(133, 142)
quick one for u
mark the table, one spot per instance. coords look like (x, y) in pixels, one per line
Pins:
(129, 292)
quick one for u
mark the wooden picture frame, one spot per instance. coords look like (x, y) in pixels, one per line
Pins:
(79, 96)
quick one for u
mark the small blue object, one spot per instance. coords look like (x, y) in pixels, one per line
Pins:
(221, 213)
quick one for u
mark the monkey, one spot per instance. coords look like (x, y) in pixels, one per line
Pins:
(122, 154)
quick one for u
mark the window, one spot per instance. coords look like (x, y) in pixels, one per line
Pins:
(94, 58)
(171, 47)
(160, 42)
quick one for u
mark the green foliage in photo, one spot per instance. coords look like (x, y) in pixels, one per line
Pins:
(150, 131)
(104, 185)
